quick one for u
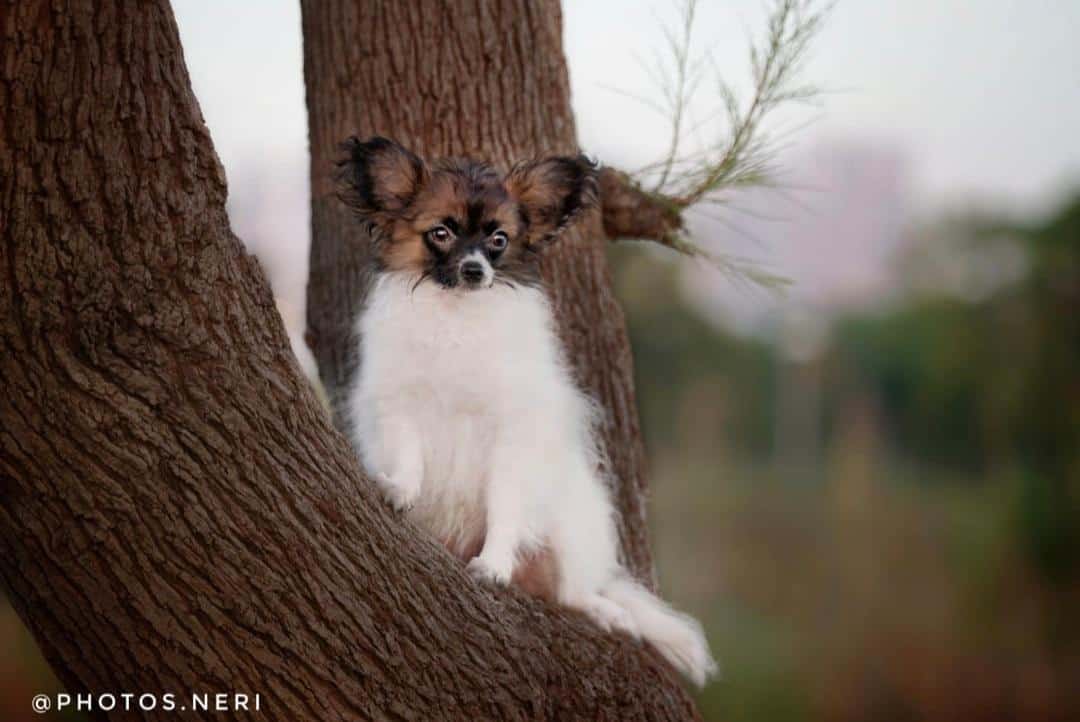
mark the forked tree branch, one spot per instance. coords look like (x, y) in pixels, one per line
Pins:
(176, 513)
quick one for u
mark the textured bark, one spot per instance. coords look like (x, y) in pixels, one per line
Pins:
(630, 213)
(176, 514)
(482, 78)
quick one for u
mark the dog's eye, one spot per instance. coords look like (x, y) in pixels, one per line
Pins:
(498, 240)
(440, 235)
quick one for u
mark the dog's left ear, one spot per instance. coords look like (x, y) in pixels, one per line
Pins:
(552, 192)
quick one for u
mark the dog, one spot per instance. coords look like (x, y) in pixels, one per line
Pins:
(464, 409)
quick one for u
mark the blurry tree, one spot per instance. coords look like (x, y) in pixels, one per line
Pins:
(680, 354)
(943, 540)
(990, 386)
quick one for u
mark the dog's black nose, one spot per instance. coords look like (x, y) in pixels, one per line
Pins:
(472, 271)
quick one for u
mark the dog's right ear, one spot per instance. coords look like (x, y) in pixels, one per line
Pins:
(379, 178)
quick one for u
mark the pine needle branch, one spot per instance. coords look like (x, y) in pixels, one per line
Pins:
(743, 155)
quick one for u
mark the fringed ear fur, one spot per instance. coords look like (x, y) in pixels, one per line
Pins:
(379, 178)
(552, 193)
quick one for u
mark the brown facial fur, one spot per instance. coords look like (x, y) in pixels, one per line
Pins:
(405, 199)
(467, 193)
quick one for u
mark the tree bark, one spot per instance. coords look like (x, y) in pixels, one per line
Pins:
(176, 514)
(485, 79)
(631, 213)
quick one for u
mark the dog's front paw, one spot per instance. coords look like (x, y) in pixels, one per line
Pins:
(484, 572)
(399, 493)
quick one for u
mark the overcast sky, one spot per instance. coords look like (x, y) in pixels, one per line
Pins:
(985, 96)
(960, 100)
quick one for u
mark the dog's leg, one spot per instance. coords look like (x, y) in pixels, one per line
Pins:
(511, 490)
(397, 461)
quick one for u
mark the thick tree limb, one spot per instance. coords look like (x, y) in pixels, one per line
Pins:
(176, 514)
(632, 213)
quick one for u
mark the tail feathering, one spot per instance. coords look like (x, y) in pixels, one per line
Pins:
(678, 637)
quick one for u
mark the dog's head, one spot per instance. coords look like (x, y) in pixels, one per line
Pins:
(458, 222)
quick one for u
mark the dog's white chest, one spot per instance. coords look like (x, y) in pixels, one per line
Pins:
(455, 351)
(450, 372)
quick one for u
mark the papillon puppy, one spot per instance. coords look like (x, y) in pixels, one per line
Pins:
(464, 409)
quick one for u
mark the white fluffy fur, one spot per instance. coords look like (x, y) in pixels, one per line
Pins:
(466, 413)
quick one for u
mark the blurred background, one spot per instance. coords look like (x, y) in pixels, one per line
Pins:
(867, 487)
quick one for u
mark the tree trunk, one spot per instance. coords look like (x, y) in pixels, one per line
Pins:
(176, 515)
(480, 79)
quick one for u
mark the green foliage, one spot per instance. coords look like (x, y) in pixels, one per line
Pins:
(990, 386)
(921, 362)
(678, 355)
(933, 569)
